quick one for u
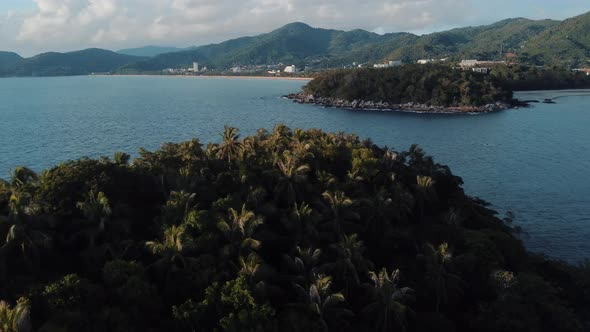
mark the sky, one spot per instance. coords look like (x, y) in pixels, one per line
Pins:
(29, 27)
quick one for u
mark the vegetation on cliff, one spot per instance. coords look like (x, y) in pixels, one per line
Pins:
(288, 230)
(438, 85)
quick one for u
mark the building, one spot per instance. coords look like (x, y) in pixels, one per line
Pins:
(583, 70)
(425, 61)
(481, 70)
(290, 69)
(388, 64)
(195, 67)
(469, 64)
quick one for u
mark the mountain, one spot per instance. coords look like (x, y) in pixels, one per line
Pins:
(300, 44)
(72, 63)
(538, 42)
(567, 43)
(295, 43)
(489, 42)
(149, 51)
(8, 59)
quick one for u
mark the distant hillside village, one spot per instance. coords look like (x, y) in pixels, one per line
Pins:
(270, 70)
(475, 65)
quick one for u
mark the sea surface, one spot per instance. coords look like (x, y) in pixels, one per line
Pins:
(533, 162)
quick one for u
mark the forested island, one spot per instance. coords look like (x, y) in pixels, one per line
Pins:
(434, 88)
(287, 230)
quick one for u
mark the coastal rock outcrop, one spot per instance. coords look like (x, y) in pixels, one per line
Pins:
(385, 106)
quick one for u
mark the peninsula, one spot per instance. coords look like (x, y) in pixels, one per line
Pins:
(434, 88)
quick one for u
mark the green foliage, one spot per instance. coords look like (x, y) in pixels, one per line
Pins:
(566, 44)
(65, 294)
(437, 85)
(288, 230)
(243, 313)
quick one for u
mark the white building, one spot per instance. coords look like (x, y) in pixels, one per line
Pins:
(388, 64)
(196, 67)
(290, 69)
(469, 63)
(425, 61)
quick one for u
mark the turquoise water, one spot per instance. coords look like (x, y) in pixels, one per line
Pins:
(533, 162)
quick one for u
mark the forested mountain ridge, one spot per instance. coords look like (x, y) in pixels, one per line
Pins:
(82, 62)
(565, 44)
(300, 44)
(8, 59)
(535, 42)
(284, 230)
(149, 51)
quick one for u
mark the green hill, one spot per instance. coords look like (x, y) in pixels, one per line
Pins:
(303, 45)
(484, 42)
(295, 43)
(567, 43)
(72, 63)
(149, 51)
(284, 230)
(8, 59)
(436, 85)
(538, 42)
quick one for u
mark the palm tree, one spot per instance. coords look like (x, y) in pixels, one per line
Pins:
(388, 309)
(230, 147)
(426, 193)
(21, 204)
(240, 228)
(323, 303)
(349, 261)
(249, 266)
(177, 207)
(96, 208)
(17, 319)
(437, 274)
(21, 243)
(121, 158)
(279, 138)
(339, 205)
(302, 223)
(304, 265)
(172, 241)
(22, 177)
(292, 173)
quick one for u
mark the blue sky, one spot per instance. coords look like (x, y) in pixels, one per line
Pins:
(33, 26)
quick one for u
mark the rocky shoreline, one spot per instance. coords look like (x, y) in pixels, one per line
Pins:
(384, 106)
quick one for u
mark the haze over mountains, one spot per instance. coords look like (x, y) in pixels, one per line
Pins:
(540, 42)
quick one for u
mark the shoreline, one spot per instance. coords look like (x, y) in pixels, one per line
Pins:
(285, 78)
(363, 105)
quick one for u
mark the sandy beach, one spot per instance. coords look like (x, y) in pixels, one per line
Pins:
(284, 78)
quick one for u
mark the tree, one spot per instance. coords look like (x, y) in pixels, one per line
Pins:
(438, 276)
(388, 309)
(17, 319)
(240, 229)
(323, 303)
(349, 261)
(96, 208)
(292, 174)
(230, 147)
(339, 205)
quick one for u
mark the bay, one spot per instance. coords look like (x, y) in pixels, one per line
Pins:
(533, 161)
